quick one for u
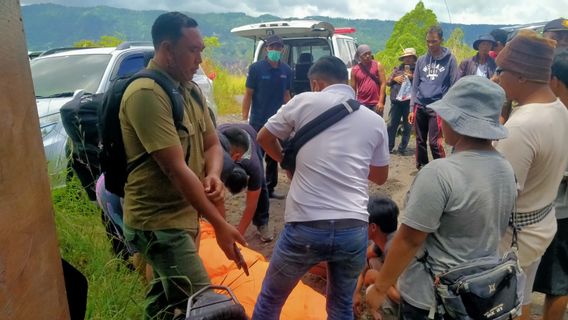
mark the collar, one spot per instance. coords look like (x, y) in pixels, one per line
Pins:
(152, 65)
(340, 88)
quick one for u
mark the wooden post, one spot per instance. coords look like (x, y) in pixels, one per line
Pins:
(31, 276)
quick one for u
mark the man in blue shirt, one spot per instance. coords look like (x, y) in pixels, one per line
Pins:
(267, 89)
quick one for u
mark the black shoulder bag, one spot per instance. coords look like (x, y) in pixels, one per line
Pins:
(312, 129)
(487, 288)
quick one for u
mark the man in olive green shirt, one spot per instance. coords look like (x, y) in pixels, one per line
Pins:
(165, 193)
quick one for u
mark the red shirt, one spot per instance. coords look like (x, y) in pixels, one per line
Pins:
(367, 89)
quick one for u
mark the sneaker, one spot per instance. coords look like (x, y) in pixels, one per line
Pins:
(265, 233)
(275, 195)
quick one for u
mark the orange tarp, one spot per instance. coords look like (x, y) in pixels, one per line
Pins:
(304, 303)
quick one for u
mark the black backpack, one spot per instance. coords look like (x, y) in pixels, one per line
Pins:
(80, 120)
(113, 156)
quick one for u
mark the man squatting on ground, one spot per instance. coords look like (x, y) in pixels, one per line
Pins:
(165, 193)
(326, 205)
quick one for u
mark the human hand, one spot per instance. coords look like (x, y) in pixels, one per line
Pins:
(289, 174)
(399, 79)
(380, 108)
(226, 236)
(375, 299)
(411, 118)
(214, 189)
(357, 308)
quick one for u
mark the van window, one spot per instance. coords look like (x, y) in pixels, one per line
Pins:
(343, 52)
(352, 50)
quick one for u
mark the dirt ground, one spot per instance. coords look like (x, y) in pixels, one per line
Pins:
(402, 171)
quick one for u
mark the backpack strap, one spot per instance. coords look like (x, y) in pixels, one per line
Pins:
(176, 99)
(322, 122)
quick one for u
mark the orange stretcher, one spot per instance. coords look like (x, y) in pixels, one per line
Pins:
(304, 303)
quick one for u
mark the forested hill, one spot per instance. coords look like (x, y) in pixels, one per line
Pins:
(48, 26)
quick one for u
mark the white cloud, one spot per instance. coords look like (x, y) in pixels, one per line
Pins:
(461, 11)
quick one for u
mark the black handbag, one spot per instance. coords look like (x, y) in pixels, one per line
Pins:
(325, 120)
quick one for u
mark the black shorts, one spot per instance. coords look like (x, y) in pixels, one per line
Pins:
(552, 275)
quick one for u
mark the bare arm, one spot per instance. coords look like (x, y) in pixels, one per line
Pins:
(250, 208)
(383, 87)
(213, 166)
(270, 144)
(287, 96)
(378, 175)
(353, 83)
(172, 163)
(247, 100)
(405, 244)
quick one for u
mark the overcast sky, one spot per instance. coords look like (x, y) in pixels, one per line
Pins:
(461, 11)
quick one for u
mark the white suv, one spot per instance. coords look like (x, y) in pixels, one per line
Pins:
(305, 41)
(58, 77)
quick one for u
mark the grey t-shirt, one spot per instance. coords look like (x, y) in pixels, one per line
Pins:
(464, 203)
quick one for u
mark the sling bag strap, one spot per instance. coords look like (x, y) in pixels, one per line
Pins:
(368, 72)
(322, 122)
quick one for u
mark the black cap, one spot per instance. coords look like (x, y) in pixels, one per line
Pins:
(559, 24)
(274, 39)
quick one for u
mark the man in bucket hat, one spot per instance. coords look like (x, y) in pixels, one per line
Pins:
(481, 64)
(536, 146)
(458, 207)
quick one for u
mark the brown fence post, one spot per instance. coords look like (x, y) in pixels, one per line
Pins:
(31, 277)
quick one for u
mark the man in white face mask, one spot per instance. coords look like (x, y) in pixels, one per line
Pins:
(267, 89)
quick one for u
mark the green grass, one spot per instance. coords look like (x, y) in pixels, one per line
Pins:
(115, 292)
(226, 87)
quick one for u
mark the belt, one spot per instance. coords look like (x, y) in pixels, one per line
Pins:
(336, 224)
(523, 219)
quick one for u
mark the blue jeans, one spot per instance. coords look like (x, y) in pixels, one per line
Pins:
(399, 110)
(299, 248)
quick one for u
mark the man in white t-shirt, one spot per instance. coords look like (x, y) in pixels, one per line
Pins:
(326, 208)
(536, 146)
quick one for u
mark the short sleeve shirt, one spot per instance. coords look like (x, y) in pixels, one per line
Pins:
(269, 85)
(151, 201)
(464, 202)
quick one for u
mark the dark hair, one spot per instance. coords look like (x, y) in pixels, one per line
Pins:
(500, 35)
(168, 26)
(237, 180)
(436, 29)
(560, 67)
(237, 137)
(329, 68)
(383, 212)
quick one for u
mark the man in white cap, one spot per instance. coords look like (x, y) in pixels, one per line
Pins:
(400, 82)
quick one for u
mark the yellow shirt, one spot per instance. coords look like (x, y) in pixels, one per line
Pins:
(151, 201)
